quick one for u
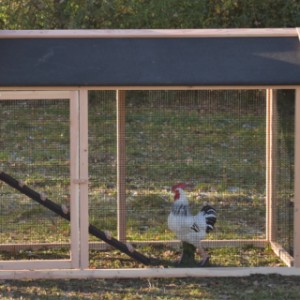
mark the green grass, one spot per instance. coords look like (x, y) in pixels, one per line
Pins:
(245, 256)
(253, 287)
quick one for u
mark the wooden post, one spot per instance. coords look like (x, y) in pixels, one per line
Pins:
(83, 180)
(74, 174)
(271, 165)
(297, 182)
(121, 167)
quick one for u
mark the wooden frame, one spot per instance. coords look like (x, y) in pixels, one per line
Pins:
(78, 96)
(151, 33)
(83, 179)
(147, 273)
(79, 188)
(121, 166)
(271, 164)
(74, 261)
(74, 174)
(297, 185)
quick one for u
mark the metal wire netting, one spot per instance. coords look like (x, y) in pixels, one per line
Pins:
(215, 140)
(285, 169)
(212, 139)
(35, 147)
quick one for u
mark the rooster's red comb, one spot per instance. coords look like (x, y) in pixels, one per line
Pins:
(179, 186)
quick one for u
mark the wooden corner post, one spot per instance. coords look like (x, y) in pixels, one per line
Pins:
(74, 173)
(271, 164)
(297, 182)
(121, 166)
(83, 179)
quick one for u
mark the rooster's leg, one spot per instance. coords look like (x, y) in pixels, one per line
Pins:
(188, 255)
(204, 255)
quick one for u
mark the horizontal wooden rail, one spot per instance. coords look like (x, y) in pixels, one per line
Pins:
(33, 95)
(151, 33)
(36, 264)
(149, 273)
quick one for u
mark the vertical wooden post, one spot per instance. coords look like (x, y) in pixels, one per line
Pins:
(297, 182)
(271, 164)
(83, 180)
(121, 166)
(74, 174)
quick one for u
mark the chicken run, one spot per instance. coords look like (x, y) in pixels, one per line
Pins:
(212, 140)
(187, 169)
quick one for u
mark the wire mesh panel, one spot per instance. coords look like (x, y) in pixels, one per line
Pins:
(102, 163)
(35, 149)
(213, 140)
(232, 150)
(285, 138)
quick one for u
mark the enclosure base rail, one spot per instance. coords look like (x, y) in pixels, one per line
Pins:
(63, 211)
(147, 273)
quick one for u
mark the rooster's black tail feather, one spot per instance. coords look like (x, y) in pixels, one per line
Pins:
(210, 215)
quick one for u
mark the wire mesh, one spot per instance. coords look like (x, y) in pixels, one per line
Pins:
(35, 142)
(102, 160)
(212, 139)
(285, 169)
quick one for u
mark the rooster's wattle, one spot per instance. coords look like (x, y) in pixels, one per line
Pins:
(190, 229)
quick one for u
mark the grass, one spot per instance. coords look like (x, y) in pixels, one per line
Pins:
(215, 140)
(225, 257)
(253, 287)
(113, 259)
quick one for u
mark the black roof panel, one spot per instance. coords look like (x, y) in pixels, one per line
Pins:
(150, 61)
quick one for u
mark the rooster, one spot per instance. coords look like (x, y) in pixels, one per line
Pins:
(188, 228)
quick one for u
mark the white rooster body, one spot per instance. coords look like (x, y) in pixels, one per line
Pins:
(189, 228)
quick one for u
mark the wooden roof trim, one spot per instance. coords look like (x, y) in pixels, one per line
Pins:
(151, 33)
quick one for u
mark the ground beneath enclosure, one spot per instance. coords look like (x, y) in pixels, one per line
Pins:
(221, 257)
(246, 256)
(254, 287)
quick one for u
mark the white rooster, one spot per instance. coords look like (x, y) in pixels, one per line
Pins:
(188, 228)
